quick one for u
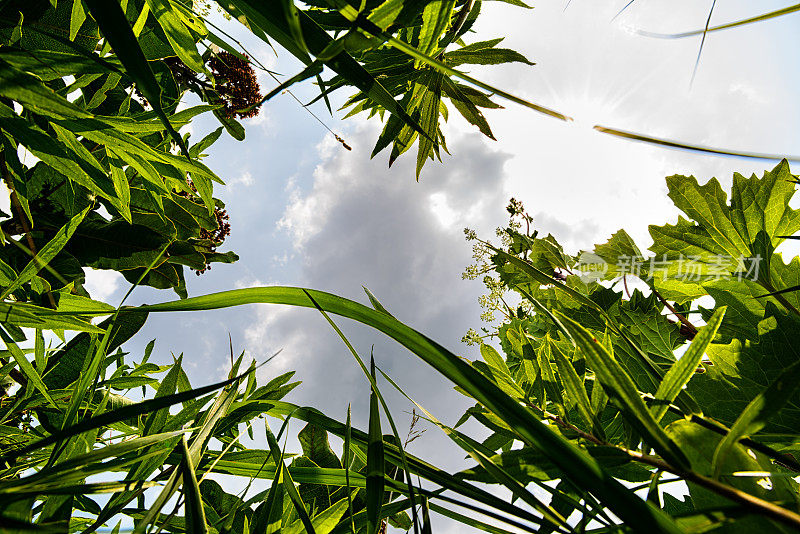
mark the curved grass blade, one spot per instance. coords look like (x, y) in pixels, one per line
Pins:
(682, 370)
(757, 413)
(583, 470)
(702, 41)
(120, 36)
(757, 18)
(632, 136)
(621, 11)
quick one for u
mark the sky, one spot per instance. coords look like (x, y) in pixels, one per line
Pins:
(306, 212)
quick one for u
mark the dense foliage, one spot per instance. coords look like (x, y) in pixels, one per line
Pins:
(598, 361)
(588, 404)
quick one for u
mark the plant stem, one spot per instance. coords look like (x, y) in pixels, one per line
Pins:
(684, 321)
(759, 506)
(23, 219)
(751, 502)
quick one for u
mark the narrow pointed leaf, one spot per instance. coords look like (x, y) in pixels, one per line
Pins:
(682, 370)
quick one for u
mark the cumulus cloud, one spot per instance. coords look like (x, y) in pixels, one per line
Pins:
(402, 240)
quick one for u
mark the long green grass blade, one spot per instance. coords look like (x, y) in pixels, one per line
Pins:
(288, 482)
(632, 136)
(500, 475)
(734, 24)
(576, 390)
(25, 366)
(374, 388)
(347, 453)
(120, 414)
(682, 370)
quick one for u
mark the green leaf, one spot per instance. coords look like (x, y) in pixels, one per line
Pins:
(324, 522)
(466, 107)
(757, 205)
(576, 390)
(755, 416)
(178, 35)
(488, 56)
(47, 253)
(700, 444)
(742, 369)
(682, 370)
(26, 367)
(30, 92)
(435, 21)
(118, 32)
(619, 386)
(77, 18)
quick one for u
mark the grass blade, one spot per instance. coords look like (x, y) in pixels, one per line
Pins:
(347, 439)
(288, 482)
(632, 136)
(619, 386)
(195, 515)
(581, 469)
(735, 24)
(374, 388)
(576, 390)
(375, 462)
(26, 367)
(682, 370)
(120, 414)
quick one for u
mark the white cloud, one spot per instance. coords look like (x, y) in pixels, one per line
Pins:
(101, 284)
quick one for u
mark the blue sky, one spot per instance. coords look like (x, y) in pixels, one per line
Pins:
(306, 212)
